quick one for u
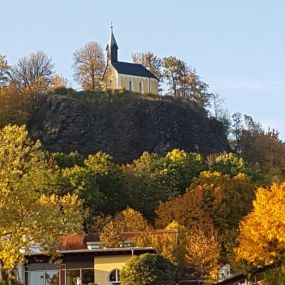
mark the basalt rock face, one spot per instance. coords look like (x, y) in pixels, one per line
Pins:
(125, 130)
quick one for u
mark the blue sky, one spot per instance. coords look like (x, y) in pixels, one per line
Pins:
(236, 46)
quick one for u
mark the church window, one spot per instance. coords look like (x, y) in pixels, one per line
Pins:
(130, 85)
(140, 87)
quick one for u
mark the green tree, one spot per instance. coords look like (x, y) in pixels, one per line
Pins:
(110, 181)
(71, 159)
(148, 269)
(31, 215)
(88, 63)
(152, 178)
(227, 163)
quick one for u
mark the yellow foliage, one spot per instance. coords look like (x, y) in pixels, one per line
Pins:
(262, 232)
(30, 215)
(203, 252)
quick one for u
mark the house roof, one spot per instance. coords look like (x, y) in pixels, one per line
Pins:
(132, 69)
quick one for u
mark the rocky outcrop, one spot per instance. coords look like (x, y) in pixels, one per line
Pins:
(126, 129)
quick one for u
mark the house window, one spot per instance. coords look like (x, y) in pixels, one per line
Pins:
(114, 277)
(140, 87)
(130, 85)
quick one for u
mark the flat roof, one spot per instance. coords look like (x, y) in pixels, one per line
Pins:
(112, 249)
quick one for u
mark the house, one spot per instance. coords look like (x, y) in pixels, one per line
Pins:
(120, 75)
(80, 263)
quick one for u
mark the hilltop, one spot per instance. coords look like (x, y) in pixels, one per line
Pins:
(124, 125)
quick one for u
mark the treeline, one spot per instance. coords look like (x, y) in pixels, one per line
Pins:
(35, 73)
(204, 199)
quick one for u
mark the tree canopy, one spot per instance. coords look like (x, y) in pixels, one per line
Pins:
(31, 215)
(262, 232)
(148, 269)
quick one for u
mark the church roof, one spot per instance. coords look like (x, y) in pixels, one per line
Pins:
(132, 69)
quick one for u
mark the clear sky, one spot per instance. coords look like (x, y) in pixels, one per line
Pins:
(236, 46)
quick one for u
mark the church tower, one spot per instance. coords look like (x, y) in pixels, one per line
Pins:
(112, 48)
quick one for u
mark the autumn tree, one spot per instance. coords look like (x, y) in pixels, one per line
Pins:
(187, 210)
(4, 71)
(15, 107)
(31, 214)
(262, 150)
(212, 199)
(262, 232)
(183, 81)
(203, 252)
(33, 72)
(173, 68)
(128, 220)
(57, 81)
(88, 63)
(150, 61)
(148, 269)
(226, 199)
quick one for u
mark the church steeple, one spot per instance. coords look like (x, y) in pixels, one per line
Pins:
(112, 48)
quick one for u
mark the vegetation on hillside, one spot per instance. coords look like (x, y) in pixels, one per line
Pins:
(226, 207)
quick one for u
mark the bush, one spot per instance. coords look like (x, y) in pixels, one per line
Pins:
(148, 269)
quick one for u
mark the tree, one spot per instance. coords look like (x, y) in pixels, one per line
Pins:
(183, 81)
(203, 252)
(57, 81)
(31, 214)
(129, 220)
(152, 178)
(148, 269)
(4, 71)
(227, 163)
(15, 107)
(226, 199)
(187, 210)
(261, 239)
(33, 72)
(88, 63)
(219, 112)
(150, 61)
(173, 68)
(237, 128)
(110, 182)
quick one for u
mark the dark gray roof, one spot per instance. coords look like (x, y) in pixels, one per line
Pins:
(132, 69)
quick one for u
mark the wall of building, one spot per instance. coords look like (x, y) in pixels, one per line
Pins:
(149, 85)
(111, 78)
(103, 265)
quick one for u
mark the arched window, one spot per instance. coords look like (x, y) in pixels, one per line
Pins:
(130, 85)
(114, 277)
(140, 87)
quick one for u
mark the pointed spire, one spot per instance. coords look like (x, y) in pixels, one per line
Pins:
(112, 47)
(112, 40)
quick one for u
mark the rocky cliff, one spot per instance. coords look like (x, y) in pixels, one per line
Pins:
(125, 128)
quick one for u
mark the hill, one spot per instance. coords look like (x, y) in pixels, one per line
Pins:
(125, 125)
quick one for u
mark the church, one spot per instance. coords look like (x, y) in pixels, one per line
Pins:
(132, 77)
